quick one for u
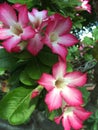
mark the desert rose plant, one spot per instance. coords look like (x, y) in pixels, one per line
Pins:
(35, 46)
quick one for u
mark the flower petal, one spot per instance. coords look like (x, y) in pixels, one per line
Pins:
(59, 69)
(82, 113)
(53, 99)
(17, 6)
(7, 14)
(46, 41)
(5, 33)
(72, 96)
(60, 50)
(35, 44)
(55, 47)
(11, 43)
(76, 79)
(28, 32)
(47, 81)
(63, 25)
(50, 28)
(39, 14)
(68, 40)
(75, 122)
(58, 119)
(66, 124)
(37, 17)
(23, 15)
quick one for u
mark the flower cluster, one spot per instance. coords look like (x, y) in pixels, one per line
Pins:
(21, 29)
(63, 93)
(32, 30)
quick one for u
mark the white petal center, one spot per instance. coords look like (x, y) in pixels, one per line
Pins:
(68, 111)
(16, 29)
(60, 83)
(53, 37)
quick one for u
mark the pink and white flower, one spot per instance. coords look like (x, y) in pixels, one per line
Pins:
(73, 117)
(15, 28)
(62, 86)
(37, 19)
(84, 6)
(58, 36)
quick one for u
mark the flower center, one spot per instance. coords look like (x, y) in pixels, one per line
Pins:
(60, 83)
(68, 111)
(16, 29)
(53, 37)
(37, 23)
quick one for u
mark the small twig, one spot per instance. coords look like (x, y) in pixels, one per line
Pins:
(90, 87)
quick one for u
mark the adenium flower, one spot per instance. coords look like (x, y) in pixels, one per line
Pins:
(84, 6)
(61, 85)
(37, 20)
(58, 36)
(15, 28)
(73, 117)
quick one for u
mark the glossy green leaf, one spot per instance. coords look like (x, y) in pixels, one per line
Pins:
(23, 56)
(7, 60)
(33, 69)
(47, 58)
(25, 79)
(45, 69)
(15, 106)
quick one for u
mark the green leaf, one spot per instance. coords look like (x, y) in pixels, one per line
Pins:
(27, 2)
(23, 56)
(69, 67)
(95, 51)
(95, 33)
(7, 60)
(2, 71)
(88, 40)
(52, 115)
(15, 106)
(95, 127)
(47, 58)
(44, 68)
(33, 69)
(25, 79)
(86, 94)
(96, 115)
